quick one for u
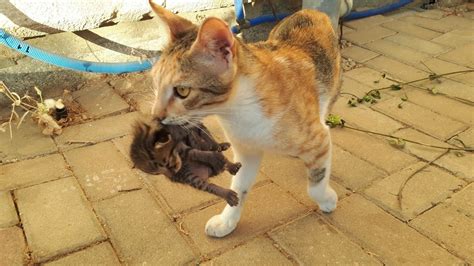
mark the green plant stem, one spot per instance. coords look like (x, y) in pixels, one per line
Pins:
(467, 149)
(350, 94)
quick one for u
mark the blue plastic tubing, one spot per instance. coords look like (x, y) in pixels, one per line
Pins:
(117, 68)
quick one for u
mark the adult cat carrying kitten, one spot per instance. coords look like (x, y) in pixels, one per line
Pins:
(268, 96)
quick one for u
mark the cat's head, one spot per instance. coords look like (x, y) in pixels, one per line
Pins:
(152, 149)
(195, 71)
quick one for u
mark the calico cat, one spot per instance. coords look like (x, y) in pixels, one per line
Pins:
(268, 96)
(186, 155)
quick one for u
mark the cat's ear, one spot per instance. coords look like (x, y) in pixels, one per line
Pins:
(176, 24)
(214, 45)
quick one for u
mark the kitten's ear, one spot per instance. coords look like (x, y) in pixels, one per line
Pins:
(214, 45)
(176, 24)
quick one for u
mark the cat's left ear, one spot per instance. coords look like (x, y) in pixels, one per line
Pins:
(214, 45)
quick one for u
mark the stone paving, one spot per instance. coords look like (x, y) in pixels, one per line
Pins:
(75, 199)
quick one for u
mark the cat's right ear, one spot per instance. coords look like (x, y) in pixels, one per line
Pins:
(176, 24)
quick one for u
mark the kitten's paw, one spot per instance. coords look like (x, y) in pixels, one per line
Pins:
(233, 168)
(232, 198)
(224, 146)
(329, 204)
(219, 227)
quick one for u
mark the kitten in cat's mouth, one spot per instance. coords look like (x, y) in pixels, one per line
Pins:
(184, 153)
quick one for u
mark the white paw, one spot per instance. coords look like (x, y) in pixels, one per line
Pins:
(330, 201)
(217, 226)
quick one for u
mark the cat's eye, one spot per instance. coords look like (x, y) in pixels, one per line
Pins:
(182, 92)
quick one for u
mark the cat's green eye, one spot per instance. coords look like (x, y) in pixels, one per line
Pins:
(182, 92)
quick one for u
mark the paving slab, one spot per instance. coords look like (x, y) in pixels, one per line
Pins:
(424, 152)
(27, 142)
(410, 29)
(432, 14)
(101, 254)
(132, 83)
(311, 241)
(431, 24)
(371, 149)
(8, 215)
(259, 251)
(460, 164)
(368, 22)
(463, 201)
(462, 55)
(358, 54)
(467, 137)
(421, 118)
(455, 38)
(425, 189)
(364, 117)
(458, 22)
(450, 228)
(397, 51)
(451, 88)
(141, 232)
(418, 44)
(439, 66)
(102, 171)
(96, 131)
(141, 101)
(33, 171)
(442, 105)
(393, 241)
(99, 99)
(123, 145)
(395, 68)
(368, 35)
(291, 175)
(12, 246)
(353, 172)
(57, 219)
(258, 216)
(350, 85)
(368, 76)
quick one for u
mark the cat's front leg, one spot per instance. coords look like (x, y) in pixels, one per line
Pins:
(223, 224)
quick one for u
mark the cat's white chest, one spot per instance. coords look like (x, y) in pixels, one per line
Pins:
(245, 121)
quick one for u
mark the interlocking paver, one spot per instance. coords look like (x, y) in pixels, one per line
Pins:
(123, 145)
(449, 225)
(432, 24)
(458, 163)
(99, 99)
(463, 200)
(427, 153)
(96, 131)
(457, 22)
(291, 175)
(432, 14)
(423, 119)
(410, 29)
(102, 170)
(370, 77)
(396, 68)
(456, 38)
(358, 54)
(374, 150)
(368, 22)
(462, 55)
(258, 216)
(392, 241)
(33, 171)
(101, 254)
(142, 101)
(467, 137)
(353, 172)
(259, 251)
(27, 142)
(57, 218)
(141, 232)
(8, 215)
(133, 83)
(12, 246)
(426, 188)
(451, 88)
(418, 44)
(368, 35)
(312, 241)
(397, 51)
(443, 105)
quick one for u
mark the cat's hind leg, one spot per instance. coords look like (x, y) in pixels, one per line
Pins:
(223, 224)
(319, 172)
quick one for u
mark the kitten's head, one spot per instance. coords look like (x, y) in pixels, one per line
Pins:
(152, 149)
(195, 71)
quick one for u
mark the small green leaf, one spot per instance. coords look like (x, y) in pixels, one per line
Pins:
(367, 98)
(433, 76)
(334, 120)
(395, 87)
(397, 143)
(376, 81)
(352, 102)
(375, 94)
(404, 97)
(434, 90)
